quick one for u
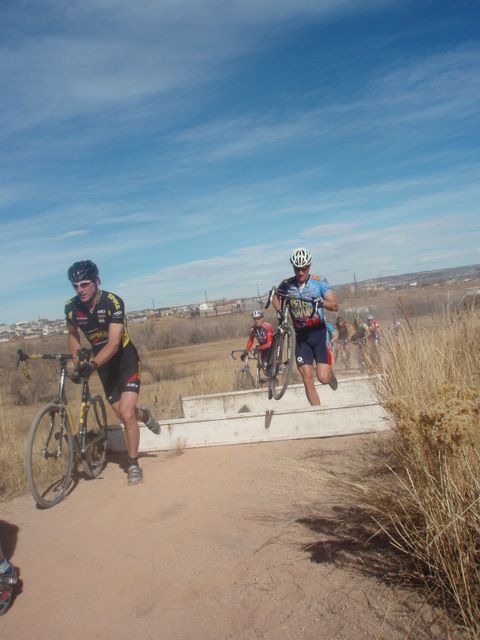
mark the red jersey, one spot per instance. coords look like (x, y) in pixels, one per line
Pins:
(263, 335)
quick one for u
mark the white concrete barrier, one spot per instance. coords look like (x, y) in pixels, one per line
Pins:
(270, 425)
(350, 391)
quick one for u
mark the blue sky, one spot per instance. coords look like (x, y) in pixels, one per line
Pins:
(186, 145)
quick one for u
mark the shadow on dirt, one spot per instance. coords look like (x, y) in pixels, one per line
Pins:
(348, 539)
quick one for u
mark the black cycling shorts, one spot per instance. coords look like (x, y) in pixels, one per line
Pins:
(311, 344)
(121, 374)
(264, 356)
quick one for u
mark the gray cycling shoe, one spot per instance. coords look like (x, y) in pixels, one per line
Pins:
(333, 382)
(134, 474)
(151, 422)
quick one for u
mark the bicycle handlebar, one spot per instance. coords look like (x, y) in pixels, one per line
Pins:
(251, 354)
(316, 302)
(22, 356)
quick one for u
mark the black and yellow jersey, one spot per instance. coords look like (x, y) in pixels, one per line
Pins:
(108, 309)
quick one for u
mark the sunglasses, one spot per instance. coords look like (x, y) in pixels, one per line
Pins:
(82, 285)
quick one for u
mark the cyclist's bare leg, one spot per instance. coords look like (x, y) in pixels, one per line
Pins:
(324, 373)
(126, 410)
(306, 371)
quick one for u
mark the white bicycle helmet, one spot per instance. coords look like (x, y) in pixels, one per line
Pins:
(370, 317)
(257, 313)
(301, 258)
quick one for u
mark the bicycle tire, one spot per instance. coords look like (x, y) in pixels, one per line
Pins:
(49, 456)
(244, 380)
(281, 366)
(96, 444)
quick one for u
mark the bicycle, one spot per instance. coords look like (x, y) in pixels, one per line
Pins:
(55, 441)
(244, 379)
(280, 362)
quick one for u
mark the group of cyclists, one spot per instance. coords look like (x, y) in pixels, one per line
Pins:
(100, 316)
(318, 342)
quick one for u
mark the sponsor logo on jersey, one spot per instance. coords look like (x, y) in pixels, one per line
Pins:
(95, 337)
(115, 300)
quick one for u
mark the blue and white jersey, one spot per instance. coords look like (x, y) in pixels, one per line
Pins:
(300, 310)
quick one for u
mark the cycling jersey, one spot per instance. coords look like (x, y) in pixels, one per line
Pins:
(109, 309)
(373, 334)
(263, 335)
(342, 331)
(121, 372)
(360, 331)
(300, 310)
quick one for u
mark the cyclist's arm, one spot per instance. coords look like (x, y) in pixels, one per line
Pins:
(115, 334)
(249, 344)
(276, 304)
(330, 301)
(73, 340)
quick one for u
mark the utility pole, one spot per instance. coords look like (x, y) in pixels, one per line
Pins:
(355, 282)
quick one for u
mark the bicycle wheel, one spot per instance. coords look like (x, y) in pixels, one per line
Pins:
(49, 456)
(96, 440)
(281, 366)
(244, 380)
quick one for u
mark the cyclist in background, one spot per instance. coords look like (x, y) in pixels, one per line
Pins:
(100, 316)
(343, 340)
(311, 343)
(360, 330)
(373, 337)
(395, 327)
(262, 332)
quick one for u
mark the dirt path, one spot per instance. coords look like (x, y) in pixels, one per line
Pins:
(209, 547)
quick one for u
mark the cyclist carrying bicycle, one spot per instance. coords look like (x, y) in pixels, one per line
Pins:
(311, 343)
(100, 316)
(262, 332)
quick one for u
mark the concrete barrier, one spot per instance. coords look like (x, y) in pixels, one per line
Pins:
(271, 425)
(350, 391)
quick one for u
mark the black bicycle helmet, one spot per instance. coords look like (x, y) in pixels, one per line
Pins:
(82, 270)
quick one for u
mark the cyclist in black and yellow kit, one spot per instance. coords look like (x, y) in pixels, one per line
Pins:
(100, 316)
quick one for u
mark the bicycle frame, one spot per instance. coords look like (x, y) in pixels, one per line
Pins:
(77, 431)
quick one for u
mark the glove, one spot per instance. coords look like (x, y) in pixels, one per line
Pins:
(85, 369)
(75, 376)
(244, 355)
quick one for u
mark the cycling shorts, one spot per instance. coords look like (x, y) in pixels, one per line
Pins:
(121, 375)
(311, 344)
(264, 356)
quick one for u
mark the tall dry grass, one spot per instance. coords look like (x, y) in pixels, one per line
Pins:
(428, 502)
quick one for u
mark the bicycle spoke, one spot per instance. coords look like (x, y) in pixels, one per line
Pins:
(96, 438)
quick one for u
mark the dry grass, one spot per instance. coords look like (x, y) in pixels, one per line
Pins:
(426, 497)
